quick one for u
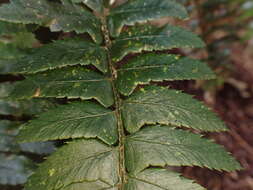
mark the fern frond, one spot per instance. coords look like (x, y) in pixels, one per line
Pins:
(112, 122)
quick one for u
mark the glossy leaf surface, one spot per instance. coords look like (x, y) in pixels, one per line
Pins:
(161, 146)
(134, 11)
(73, 120)
(63, 16)
(153, 67)
(84, 161)
(147, 179)
(148, 38)
(75, 82)
(153, 105)
(57, 55)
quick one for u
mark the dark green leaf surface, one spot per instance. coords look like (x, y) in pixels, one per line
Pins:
(72, 82)
(149, 38)
(11, 28)
(14, 170)
(75, 120)
(153, 67)
(161, 146)
(160, 179)
(59, 54)
(96, 5)
(153, 105)
(65, 17)
(134, 11)
(82, 161)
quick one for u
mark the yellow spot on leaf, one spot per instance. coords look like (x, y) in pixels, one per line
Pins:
(177, 57)
(76, 85)
(195, 70)
(51, 172)
(142, 90)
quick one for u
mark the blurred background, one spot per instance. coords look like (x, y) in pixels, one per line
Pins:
(226, 26)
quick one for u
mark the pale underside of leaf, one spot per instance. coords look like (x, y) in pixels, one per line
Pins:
(8, 130)
(80, 161)
(8, 144)
(149, 38)
(63, 16)
(160, 179)
(161, 146)
(74, 120)
(154, 104)
(96, 5)
(71, 82)
(5, 89)
(38, 147)
(159, 67)
(14, 170)
(134, 11)
(9, 53)
(24, 107)
(59, 54)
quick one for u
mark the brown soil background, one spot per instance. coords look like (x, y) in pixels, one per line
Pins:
(234, 104)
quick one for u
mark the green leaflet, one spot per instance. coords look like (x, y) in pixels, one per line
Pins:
(75, 120)
(161, 146)
(81, 161)
(10, 28)
(154, 67)
(160, 179)
(153, 105)
(65, 17)
(134, 11)
(14, 170)
(149, 38)
(24, 40)
(70, 82)
(96, 5)
(59, 54)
